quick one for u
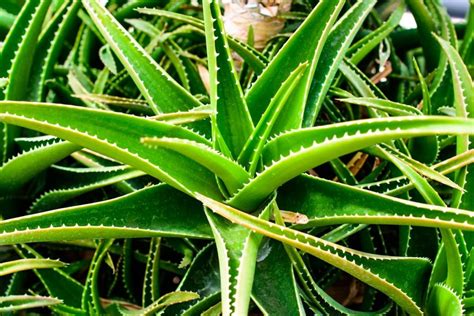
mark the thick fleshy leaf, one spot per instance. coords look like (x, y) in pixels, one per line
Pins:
(392, 108)
(229, 171)
(90, 296)
(163, 302)
(232, 119)
(305, 45)
(252, 150)
(117, 136)
(56, 281)
(21, 302)
(17, 171)
(275, 289)
(443, 301)
(384, 273)
(17, 49)
(163, 93)
(16, 60)
(365, 45)
(237, 248)
(292, 153)
(28, 264)
(151, 212)
(73, 182)
(49, 48)
(327, 203)
(464, 103)
(425, 27)
(334, 50)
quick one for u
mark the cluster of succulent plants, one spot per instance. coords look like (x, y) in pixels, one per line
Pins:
(142, 172)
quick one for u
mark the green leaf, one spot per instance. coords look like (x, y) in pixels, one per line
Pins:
(421, 168)
(230, 172)
(28, 264)
(49, 48)
(464, 103)
(305, 45)
(16, 61)
(74, 182)
(328, 203)
(151, 212)
(117, 136)
(232, 120)
(363, 85)
(164, 301)
(462, 82)
(150, 291)
(194, 115)
(392, 108)
(17, 171)
(90, 296)
(17, 51)
(21, 302)
(107, 59)
(467, 44)
(443, 301)
(57, 283)
(275, 289)
(292, 153)
(162, 92)
(334, 50)
(237, 248)
(384, 273)
(364, 46)
(205, 263)
(252, 150)
(251, 56)
(425, 26)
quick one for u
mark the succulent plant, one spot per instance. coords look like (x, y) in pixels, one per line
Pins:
(337, 155)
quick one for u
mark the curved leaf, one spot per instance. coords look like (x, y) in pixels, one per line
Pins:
(229, 171)
(327, 203)
(28, 264)
(17, 171)
(20, 302)
(232, 119)
(385, 273)
(334, 50)
(162, 92)
(300, 150)
(305, 45)
(150, 212)
(117, 136)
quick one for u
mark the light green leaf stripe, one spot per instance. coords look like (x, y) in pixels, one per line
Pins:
(28, 264)
(20, 302)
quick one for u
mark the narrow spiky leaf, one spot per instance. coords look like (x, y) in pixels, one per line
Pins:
(163, 93)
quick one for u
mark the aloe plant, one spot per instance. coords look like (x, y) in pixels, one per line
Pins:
(142, 173)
